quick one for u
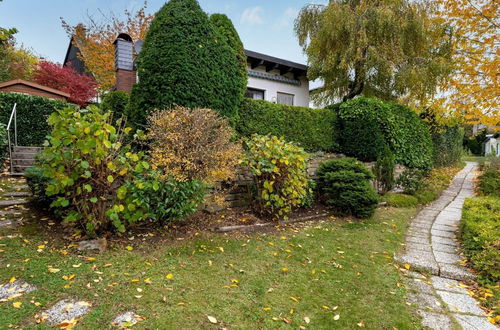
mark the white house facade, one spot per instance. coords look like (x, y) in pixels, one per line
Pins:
(492, 145)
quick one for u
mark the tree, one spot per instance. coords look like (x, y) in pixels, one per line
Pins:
(473, 90)
(82, 88)
(226, 28)
(16, 62)
(382, 48)
(185, 62)
(95, 41)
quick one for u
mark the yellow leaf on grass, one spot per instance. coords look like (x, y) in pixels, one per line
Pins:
(148, 281)
(407, 266)
(294, 299)
(284, 269)
(169, 276)
(307, 320)
(361, 324)
(17, 304)
(212, 319)
(41, 246)
(54, 270)
(267, 309)
(129, 248)
(336, 317)
(12, 280)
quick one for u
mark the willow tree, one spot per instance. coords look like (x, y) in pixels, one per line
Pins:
(382, 48)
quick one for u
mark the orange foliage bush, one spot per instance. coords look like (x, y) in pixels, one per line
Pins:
(193, 144)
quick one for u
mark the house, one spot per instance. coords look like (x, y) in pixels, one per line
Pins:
(492, 145)
(27, 87)
(269, 78)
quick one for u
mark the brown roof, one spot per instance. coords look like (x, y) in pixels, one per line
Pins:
(34, 85)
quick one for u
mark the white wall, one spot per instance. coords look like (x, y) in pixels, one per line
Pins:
(272, 88)
(492, 147)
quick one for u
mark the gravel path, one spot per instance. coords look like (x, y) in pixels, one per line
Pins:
(432, 248)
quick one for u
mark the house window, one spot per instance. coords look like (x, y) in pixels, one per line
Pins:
(255, 94)
(284, 98)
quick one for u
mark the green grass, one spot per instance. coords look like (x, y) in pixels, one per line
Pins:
(232, 278)
(400, 200)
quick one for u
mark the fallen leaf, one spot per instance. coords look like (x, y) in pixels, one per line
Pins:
(284, 269)
(12, 280)
(54, 270)
(129, 248)
(361, 324)
(307, 320)
(212, 319)
(336, 317)
(17, 304)
(407, 266)
(169, 276)
(294, 299)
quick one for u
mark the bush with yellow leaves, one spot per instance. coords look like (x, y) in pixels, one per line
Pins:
(192, 144)
(279, 170)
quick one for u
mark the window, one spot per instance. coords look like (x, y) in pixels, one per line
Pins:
(284, 98)
(255, 94)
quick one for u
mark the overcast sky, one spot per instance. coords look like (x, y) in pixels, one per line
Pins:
(264, 26)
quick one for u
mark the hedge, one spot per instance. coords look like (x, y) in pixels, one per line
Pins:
(448, 145)
(32, 114)
(312, 129)
(369, 124)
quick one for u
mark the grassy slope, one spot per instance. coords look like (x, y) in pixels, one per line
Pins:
(366, 288)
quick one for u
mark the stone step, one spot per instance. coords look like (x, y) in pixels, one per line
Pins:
(18, 194)
(23, 155)
(14, 202)
(26, 149)
(23, 162)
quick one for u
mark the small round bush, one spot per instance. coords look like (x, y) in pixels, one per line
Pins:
(279, 171)
(411, 180)
(489, 183)
(345, 185)
(400, 200)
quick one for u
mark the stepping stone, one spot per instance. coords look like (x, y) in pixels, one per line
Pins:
(460, 303)
(13, 202)
(470, 322)
(15, 289)
(435, 321)
(65, 311)
(20, 187)
(126, 320)
(18, 194)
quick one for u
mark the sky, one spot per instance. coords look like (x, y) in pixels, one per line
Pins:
(265, 26)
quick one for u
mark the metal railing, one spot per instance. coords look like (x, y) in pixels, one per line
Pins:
(13, 116)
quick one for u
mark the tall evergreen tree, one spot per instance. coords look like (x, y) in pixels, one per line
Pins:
(185, 62)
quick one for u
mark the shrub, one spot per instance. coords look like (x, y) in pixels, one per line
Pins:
(312, 129)
(87, 165)
(32, 114)
(368, 125)
(4, 143)
(279, 171)
(115, 102)
(475, 144)
(411, 180)
(400, 200)
(38, 183)
(448, 143)
(185, 61)
(384, 172)
(489, 183)
(480, 234)
(165, 199)
(192, 144)
(345, 185)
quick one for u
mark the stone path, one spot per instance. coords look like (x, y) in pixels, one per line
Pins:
(432, 248)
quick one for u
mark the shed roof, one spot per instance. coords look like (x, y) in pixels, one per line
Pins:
(33, 85)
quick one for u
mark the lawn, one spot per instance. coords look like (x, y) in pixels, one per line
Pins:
(332, 273)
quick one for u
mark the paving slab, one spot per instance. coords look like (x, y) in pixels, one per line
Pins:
(416, 246)
(424, 301)
(460, 303)
(421, 240)
(455, 272)
(446, 258)
(15, 289)
(445, 248)
(420, 260)
(445, 284)
(419, 285)
(470, 322)
(13, 202)
(435, 321)
(452, 229)
(442, 233)
(444, 241)
(18, 194)
(66, 310)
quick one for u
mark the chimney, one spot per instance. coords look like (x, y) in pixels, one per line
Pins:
(124, 63)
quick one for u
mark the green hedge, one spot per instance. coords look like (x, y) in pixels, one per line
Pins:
(480, 233)
(369, 124)
(448, 145)
(116, 102)
(312, 129)
(32, 114)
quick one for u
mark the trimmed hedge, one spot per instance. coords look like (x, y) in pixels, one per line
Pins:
(116, 102)
(480, 233)
(489, 183)
(312, 129)
(369, 124)
(448, 145)
(32, 114)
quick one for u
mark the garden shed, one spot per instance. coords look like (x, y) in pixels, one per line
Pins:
(30, 88)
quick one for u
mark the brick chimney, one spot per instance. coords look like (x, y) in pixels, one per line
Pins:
(124, 63)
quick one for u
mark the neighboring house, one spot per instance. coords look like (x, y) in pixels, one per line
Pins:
(269, 78)
(27, 87)
(492, 145)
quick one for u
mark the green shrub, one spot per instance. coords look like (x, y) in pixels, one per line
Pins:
(489, 183)
(279, 171)
(384, 172)
(312, 129)
(165, 200)
(448, 142)
(38, 183)
(4, 143)
(411, 180)
(368, 125)
(87, 164)
(115, 102)
(345, 184)
(475, 144)
(400, 200)
(32, 114)
(186, 62)
(426, 196)
(480, 234)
